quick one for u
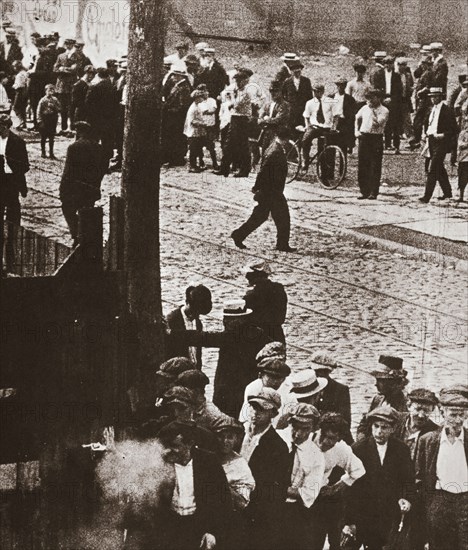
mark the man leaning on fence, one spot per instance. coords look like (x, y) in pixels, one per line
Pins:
(13, 166)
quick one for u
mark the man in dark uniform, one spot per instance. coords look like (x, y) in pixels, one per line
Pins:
(439, 67)
(84, 169)
(82, 60)
(297, 90)
(14, 164)
(267, 300)
(268, 193)
(65, 69)
(79, 92)
(423, 103)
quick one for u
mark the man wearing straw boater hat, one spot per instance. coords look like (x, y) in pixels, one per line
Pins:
(380, 499)
(441, 132)
(297, 91)
(288, 59)
(439, 67)
(442, 473)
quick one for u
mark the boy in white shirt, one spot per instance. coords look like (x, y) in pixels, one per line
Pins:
(194, 129)
(209, 107)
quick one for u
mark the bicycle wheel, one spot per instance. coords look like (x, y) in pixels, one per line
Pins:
(331, 166)
(293, 156)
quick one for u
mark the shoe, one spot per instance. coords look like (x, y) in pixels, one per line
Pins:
(423, 199)
(202, 164)
(286, 249)
(220, 173)
(443, 197)
(43, 155)
(413, 146)
(362, 198)
(53, 157)
(195, 170)
(372, 197)
(241, 175)
(215, 167)
(397, 152)
(237, 241)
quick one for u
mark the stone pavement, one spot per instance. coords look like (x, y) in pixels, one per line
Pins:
(349, 293)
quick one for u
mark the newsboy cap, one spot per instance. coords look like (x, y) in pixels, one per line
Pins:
(384, 412)
(275, 366)
(226, 422)
(175, 366)
(421, 395)
(454, 396)
(193, 379)
(322, 360)
(273, 349)
(392, 367)
(179, 394)
(305, 414)
(267, 398)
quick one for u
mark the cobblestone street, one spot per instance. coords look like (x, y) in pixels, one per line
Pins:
(346, 297)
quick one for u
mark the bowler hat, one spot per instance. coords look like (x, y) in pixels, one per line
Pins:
(305, 383)
(275, 366)
(193, 379)
(305, 414)
(392, 368)
(267, 398)
(272, 349)
(454, 396)
(384, 412)
(421, 395)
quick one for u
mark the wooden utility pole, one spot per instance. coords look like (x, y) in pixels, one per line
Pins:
(140, 188)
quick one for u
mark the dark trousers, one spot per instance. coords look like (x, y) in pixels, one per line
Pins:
(237, 149)
(393, 126)
(195, 150)
(65, 109)
(370, 155)
(437, 173)
(70, 213)
(173, 140)
(20, 104)
(422, 111)
(278, 207)
(326, 514)
(310, 134)
(296, 527)
(104, 133)
(11, 216)
(447, 520)
(462, 177)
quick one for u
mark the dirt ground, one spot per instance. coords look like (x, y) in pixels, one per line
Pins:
(345, 298)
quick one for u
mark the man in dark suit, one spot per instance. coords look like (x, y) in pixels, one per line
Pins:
(193, 507)
(388, 81)
(84, 169)
(297, 90)
(65, 68)
(441, 132)
(270, 464)
(268, 301)
(79, 92)
(14, 164)
(213, 74)
(442, 473)
(439, 68)
(269, 195)
(335, 396)
(10, 51)
(187, 317)
(101, 112)
(288, 60)
(344, 113)
(423, 103)
(376, 501)
(274, 114)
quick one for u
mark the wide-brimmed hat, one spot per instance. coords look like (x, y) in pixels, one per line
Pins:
(304, 414)
(392, 368)
(290, 56)
(421, 395)
(454, 396)
(384, 412)
(272, 349)
(380, 54)
(267, 398)
(275, 366)
(321, 360)
(436, 46)
(435, 91)
(257, 267)
(235, 308)
(305, 383)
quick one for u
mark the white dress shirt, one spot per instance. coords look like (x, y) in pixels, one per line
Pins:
(251, 441)
(312, 108)
(388, 82)
(382, 450)
(297, 82)
(371, 121)
(452, 469)
(183, 498)
(3, 145)
(342, 455)
(308, 468)
(434, 119)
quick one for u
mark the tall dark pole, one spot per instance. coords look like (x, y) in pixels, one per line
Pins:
(140, 186)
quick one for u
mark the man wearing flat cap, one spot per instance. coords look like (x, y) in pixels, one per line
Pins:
(65, 69)
(268, 458)
(376, 501)
(267, 299)
(442, 473)
(390, 379)
(14, 165)
(307, 468)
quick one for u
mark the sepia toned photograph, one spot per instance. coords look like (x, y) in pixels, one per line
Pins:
(234, 291)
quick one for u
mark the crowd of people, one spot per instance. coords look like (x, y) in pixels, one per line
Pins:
(272, 462)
